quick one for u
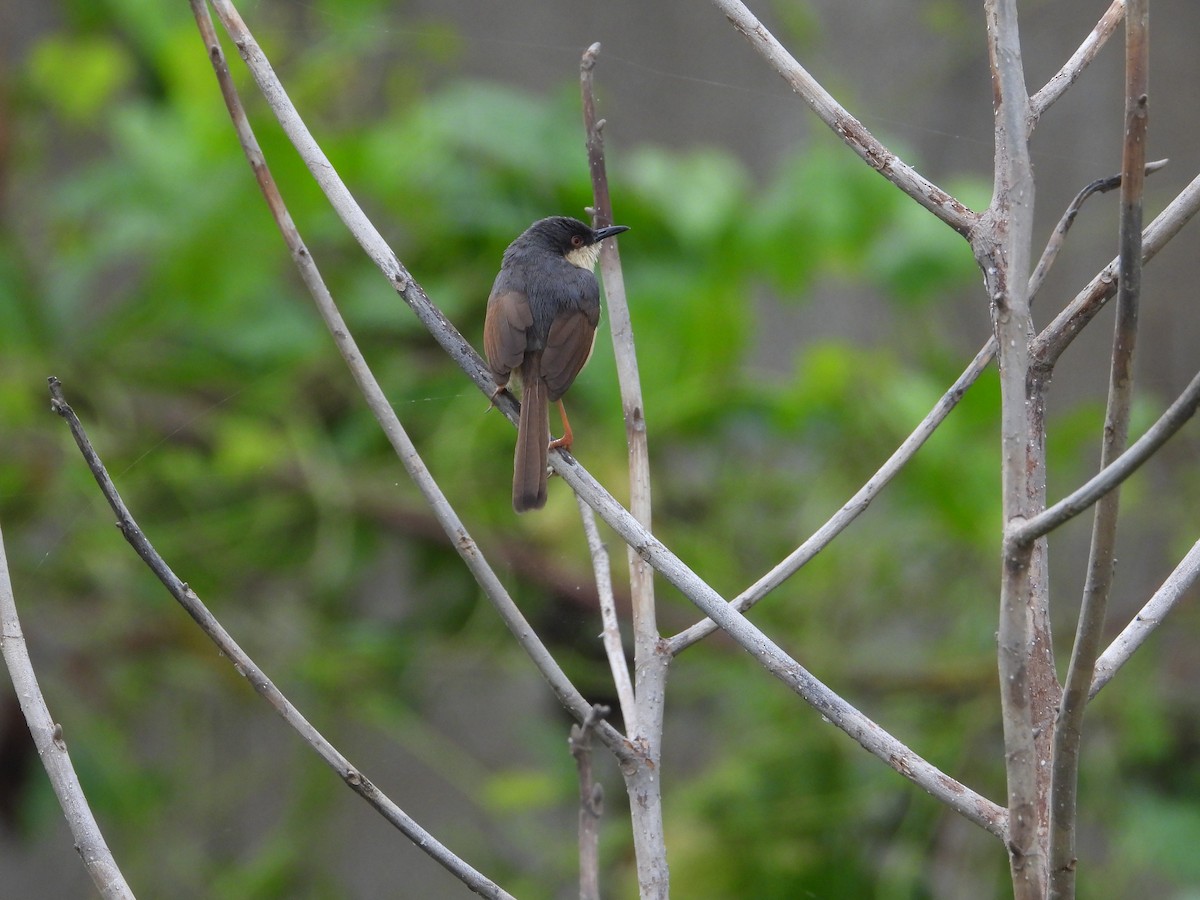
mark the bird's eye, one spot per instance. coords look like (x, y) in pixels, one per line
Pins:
(577, 240)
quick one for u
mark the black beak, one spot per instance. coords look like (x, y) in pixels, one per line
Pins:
(610, 231)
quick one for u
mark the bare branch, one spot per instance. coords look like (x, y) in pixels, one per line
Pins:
(1057, 336)
(1178, 583)
(376, 400)
(52, 749)
(1007, 274)
(1068, 732)
(1080, 60)
(247, 668)
(347, 208)
(591, 806)
(1099, 186)
(851, 131)
(641, 576)
(1111, 476)
(853, 507)
(768, 654)
(643, 780)
(611, 634)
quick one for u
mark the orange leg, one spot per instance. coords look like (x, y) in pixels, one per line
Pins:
(500, 389)
(568, 438)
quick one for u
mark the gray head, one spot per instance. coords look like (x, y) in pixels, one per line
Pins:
(575, 240)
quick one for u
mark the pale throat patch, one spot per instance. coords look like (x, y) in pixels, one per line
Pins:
(584, 257)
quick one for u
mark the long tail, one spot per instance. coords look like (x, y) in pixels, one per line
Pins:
(533, 439)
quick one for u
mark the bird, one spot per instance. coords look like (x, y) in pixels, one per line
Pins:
(541, 325)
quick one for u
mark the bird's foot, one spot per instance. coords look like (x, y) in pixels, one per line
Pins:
(500, 389)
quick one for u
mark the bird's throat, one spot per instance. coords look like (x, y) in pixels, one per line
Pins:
(584, 257)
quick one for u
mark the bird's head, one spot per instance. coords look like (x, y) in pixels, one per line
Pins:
(575, 240)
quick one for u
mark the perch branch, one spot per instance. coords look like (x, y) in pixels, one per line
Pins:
(1068, 732)
(770, 656)
(247, 668)
(52, 749)
(851, 131)
(377, 401)
(1147, 620)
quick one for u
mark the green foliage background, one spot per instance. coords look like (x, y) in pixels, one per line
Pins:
(139, 265)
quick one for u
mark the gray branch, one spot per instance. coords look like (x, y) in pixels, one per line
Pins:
(1080, 60)
(1109, 477)
(851, 131)
(52, 749)
(1173, 590)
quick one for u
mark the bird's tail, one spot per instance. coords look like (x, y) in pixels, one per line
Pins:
(533, 439)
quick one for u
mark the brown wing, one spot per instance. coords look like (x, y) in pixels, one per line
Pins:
(504, 332)
(568, 347)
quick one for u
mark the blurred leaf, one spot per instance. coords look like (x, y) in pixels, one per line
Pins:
(79, 75)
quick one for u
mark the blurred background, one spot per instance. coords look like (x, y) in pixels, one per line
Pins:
(795, 317)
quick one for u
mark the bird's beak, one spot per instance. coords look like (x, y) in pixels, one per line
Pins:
(610, 231)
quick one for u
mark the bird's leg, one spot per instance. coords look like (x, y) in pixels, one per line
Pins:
(500, 389)
(568, 438)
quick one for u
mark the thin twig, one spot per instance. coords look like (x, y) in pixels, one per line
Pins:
(851, 131)
(853, 507)
(1066, 326)
(611, 635)
(1068, 732)
(377, 402)
(1178, 583)
(248, 669)
(643, 781)
(1080, 60)
(1007, 274)
(591, 805)
(641, 576)
(52, 749)
(1099, 186)
(1112, 475)
(348, 209)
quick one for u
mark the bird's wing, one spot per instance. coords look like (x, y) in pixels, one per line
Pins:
(508, 319)
(568, 347)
